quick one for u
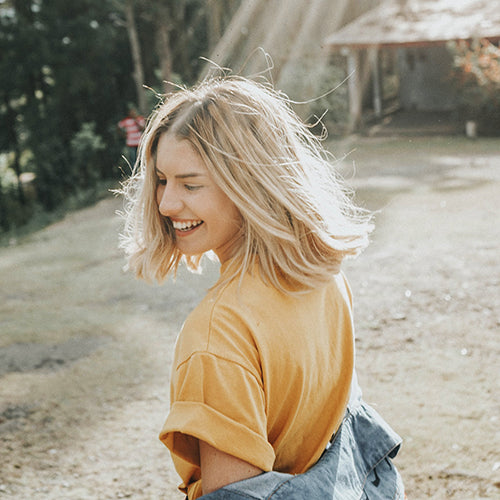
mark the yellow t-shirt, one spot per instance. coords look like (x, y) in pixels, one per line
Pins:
(260, 375)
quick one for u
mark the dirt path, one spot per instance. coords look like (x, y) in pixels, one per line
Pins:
(85, 350)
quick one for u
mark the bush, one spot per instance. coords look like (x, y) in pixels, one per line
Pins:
(319, 87)
(13, 212)
(477, 79)
(86, 148)
(55, 177)
(66, 177)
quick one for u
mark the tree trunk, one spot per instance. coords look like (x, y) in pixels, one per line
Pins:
(135, 49)
(165, 55)
(14, 141)
(355, 89)
(215, 14)
(232, 35)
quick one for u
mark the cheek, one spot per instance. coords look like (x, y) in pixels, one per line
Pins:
(158, 192)
(233, 218)
(226, 208)
(236, 216)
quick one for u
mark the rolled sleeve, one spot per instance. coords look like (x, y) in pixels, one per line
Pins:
(221, 402)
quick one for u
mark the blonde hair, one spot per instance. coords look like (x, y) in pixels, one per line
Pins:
(297, 218)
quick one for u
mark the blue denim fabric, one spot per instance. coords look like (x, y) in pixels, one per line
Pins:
(356, 466)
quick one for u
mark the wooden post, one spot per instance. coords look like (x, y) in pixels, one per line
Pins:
(373, 54)
(355, 88)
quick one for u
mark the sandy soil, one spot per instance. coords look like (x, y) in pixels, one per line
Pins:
(85, 350)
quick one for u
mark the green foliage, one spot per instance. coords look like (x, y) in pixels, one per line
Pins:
(75, 71)
(86, 147)
(14, 209)
(476, 77)
(66, 78)
(13, 213)
(333, 99)
(55, 178)
(325, 87)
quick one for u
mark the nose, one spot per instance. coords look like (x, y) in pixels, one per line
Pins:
(169, 203)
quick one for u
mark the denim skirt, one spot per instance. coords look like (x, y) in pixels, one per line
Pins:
(357, 465)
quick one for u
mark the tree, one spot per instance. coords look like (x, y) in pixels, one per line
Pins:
(135, 48)
(72, 73)
(82, 64)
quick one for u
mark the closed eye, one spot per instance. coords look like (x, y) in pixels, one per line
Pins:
(191, 187)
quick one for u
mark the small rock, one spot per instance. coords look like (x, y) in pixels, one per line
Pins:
(398, 316)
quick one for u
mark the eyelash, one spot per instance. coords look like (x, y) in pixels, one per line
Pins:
(189, 187)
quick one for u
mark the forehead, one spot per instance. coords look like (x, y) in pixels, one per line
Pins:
(178, 157)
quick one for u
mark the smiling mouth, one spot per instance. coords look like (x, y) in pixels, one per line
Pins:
(186, 226)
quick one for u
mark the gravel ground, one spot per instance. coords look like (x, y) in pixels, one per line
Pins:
(85, 350)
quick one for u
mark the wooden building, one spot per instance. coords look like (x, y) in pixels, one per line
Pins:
(409, 38)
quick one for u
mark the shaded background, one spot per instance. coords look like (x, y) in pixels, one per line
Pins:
(70, 70)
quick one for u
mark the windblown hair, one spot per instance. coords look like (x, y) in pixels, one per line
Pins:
(298, 220)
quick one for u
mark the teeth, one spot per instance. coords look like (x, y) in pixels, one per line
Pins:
(185, 225)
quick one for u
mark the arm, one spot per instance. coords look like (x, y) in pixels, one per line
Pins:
(141, 123)
(219, 469)
(120, 130)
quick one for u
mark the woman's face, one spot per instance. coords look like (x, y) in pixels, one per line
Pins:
(203, 217)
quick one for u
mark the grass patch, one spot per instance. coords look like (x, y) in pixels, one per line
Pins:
(42, 218)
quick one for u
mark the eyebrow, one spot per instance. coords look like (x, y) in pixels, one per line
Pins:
(182, 176)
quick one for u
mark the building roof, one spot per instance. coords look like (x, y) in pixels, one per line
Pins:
(420, 22)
